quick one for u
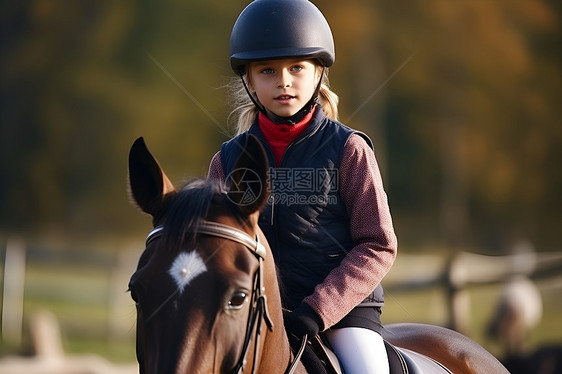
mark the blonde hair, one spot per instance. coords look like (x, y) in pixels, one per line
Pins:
(245, 112)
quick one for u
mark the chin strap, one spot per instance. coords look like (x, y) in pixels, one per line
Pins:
(258, 105)
(295, 118)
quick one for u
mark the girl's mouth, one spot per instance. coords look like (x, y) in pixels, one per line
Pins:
(284, 98)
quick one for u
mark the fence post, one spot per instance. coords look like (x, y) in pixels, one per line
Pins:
(14, 284)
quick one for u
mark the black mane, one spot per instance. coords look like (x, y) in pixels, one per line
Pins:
(190, 205)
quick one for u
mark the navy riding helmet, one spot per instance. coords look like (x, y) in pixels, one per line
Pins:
(274, 29)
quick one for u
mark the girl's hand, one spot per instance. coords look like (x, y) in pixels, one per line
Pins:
(303, 321)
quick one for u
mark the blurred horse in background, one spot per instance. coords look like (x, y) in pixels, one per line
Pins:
(518, 311)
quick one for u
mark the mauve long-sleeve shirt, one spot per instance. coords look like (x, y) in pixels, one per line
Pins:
(366, 264)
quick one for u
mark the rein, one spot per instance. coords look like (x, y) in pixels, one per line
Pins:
(258, 309)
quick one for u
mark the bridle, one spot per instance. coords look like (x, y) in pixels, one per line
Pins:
(258, 303)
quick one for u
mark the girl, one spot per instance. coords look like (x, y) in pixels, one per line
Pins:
(328, 220)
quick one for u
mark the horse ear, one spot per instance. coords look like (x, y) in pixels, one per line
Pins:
(248, 183)
(148, 184)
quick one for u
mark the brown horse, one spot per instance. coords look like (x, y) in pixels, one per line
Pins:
(206, 288)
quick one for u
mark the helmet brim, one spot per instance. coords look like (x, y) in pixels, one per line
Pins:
(240, 60)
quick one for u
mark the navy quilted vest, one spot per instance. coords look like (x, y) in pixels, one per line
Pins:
(305, 220)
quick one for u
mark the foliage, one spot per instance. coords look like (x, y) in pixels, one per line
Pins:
(466, 132)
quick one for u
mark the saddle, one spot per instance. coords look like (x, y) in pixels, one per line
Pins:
(401, 361)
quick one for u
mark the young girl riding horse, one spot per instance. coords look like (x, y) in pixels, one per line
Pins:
(327, 220)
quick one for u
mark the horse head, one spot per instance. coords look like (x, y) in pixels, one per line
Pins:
(199, 283)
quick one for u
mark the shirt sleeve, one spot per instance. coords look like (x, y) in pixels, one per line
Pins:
(215, 168)
(365, 265)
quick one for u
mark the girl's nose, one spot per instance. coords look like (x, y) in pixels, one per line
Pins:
(284, 79)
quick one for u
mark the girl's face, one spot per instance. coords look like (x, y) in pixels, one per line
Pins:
(284, 86)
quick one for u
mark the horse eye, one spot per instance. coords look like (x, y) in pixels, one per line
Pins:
(237, 300)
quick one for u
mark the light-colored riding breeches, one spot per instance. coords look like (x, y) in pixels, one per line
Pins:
(360, 351)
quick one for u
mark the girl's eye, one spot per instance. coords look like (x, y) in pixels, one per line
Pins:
(267, 71)
(297, 68)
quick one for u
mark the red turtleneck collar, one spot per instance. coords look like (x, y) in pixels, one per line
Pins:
(279, 136)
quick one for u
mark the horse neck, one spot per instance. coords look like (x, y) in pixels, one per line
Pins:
(276, 354)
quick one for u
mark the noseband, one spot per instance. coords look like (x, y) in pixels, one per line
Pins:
(258, 306)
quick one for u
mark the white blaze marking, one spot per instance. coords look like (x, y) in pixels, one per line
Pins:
(186, 267)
